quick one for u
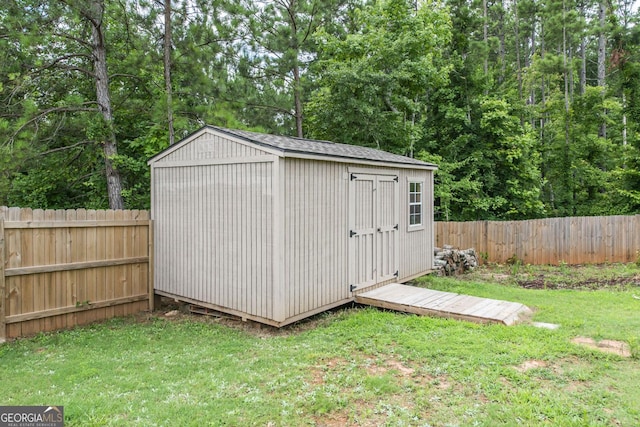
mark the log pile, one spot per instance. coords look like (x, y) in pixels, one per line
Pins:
(451, 262)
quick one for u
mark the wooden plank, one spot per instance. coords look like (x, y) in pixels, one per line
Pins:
(492, 310)
(50, 324)
(27, 250)
(71, 283)
(440, 302)
(423, 311)
(443, 304)
(39, 236)
(426, 298)
(150, 277)
(60, 291)
(13, 259)
(120, 278)
(3, 292)
(80, 265)
(74, 309)
(91, 273)
(464, 303)
(101, 285)
(510, 310)
(79, 251)
(75, 224)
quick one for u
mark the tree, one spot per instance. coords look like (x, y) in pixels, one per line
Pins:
(52, 97)
(274, 52)
(373, 83)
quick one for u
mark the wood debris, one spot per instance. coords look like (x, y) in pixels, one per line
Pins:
(451, 262)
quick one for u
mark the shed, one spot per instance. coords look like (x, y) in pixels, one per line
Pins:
(276, 229)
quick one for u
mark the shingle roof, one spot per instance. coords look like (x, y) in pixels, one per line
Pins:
(293, 145)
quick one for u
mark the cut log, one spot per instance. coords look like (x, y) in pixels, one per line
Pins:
(451, 262)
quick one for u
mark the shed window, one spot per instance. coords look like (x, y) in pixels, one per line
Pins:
(415, 203)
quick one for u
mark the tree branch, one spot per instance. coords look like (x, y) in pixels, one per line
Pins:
(47, 112)
(75, 39)
(68, 147)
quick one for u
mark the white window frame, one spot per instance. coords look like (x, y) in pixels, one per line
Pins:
(420, 181)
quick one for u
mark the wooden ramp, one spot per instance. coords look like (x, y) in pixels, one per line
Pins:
(428, 302)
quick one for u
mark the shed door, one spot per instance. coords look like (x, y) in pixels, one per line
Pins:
(373, 233)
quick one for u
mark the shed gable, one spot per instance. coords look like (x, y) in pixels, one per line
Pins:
(205, 145)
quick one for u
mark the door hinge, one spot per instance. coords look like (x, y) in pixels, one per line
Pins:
(352, 233)
(396, 178)
(352, 288)
(397, 273)
(395, 227)
(353, 176)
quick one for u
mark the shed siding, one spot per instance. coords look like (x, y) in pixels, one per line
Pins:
(315, 234)
(213, 233)
(210, 146)
(416, 247)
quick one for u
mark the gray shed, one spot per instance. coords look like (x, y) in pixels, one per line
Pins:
(276, 229)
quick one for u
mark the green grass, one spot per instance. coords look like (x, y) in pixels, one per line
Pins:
(359, 366)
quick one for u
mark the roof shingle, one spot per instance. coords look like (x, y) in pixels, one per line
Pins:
(292, 145)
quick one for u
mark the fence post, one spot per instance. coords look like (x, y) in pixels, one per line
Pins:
(151, 268)
(3, 325)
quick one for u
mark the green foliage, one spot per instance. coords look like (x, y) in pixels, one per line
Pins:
(372, 82)
(504, 99)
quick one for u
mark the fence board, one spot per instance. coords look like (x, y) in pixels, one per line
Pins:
(3, 327)
(64, 268)
(574, 240)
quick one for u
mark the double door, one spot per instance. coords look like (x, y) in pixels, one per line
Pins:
(373, 233)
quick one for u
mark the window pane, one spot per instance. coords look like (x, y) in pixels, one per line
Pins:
(415, 203)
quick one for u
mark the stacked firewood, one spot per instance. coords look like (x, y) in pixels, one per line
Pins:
(451, 262)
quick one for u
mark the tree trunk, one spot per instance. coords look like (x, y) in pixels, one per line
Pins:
(109, 145)
(297, 86)
(485, 39)
(297, 95)
(516, 29)
(583, 56)
(502, 47)
(602, 45)
(167, 69)
(565, 65)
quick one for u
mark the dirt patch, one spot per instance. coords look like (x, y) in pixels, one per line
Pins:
(172, 310)
(359, 413)
(318, 372)
(398, 366)
(608, 346)
(541, 281)
(530, 364)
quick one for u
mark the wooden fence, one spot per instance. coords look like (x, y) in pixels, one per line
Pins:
(575, 240)
(61, 268)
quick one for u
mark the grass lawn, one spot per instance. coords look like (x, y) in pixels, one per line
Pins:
(356, 366)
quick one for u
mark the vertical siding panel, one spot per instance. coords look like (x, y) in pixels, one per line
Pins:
(213, 235)
(290, 212)
(297, 252)
(259, 294)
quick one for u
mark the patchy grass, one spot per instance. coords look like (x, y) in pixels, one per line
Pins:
(357, 366)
